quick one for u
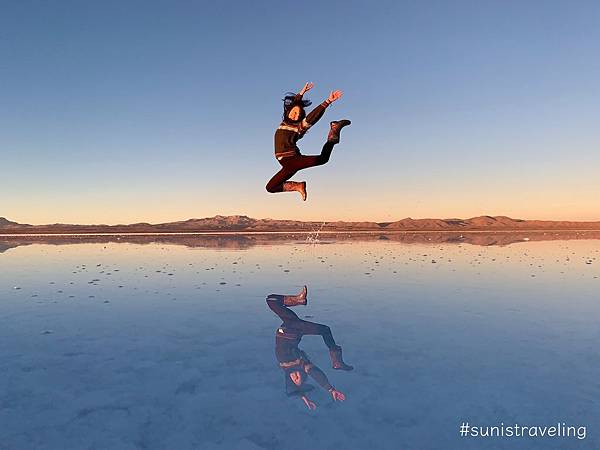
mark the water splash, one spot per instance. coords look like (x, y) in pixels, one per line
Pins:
(313, 236)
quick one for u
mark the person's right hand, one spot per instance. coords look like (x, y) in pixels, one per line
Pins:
(334, 96)
(307, 87)
(309, 403)
(337, 395)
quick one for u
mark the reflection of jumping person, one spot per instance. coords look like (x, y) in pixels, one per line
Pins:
(295, 124)
(294, 362)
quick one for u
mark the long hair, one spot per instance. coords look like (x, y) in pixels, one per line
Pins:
(289, 101)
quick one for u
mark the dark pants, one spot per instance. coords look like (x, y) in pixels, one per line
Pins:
(297, 326)
(293, 164)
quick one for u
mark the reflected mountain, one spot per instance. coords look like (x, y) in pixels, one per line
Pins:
(294, 362)
(233, 241)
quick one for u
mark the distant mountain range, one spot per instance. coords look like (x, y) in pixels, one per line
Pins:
(249, 225)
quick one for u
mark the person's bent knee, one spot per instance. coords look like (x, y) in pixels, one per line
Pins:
(324, 329)
(322, 160)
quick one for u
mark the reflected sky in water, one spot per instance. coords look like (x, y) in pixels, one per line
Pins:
(162, 346)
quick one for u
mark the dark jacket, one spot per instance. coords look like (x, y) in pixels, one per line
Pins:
(288, 133)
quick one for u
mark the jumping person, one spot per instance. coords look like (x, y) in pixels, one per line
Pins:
(295, 124)
(294, 362)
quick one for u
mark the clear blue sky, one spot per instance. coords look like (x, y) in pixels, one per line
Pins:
(123, 111)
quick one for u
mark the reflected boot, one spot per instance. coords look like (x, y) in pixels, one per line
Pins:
(336, 359)
(295, 300)
(336, 127)
(300, 187)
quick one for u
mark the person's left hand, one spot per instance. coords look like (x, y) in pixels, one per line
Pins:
(335, 95)
(337, 395)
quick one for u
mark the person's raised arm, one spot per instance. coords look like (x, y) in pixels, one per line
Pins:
(309, 403)
(319, 376)
(307, 87)
(314, 116)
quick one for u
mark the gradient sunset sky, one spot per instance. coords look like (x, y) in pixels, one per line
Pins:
(128, 111)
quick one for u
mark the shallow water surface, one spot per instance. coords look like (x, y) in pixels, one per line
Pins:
(113, 345)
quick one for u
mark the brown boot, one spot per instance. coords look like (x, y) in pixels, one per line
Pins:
(300, 187)
(336, 127)
(295, 300)
(336, 359)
